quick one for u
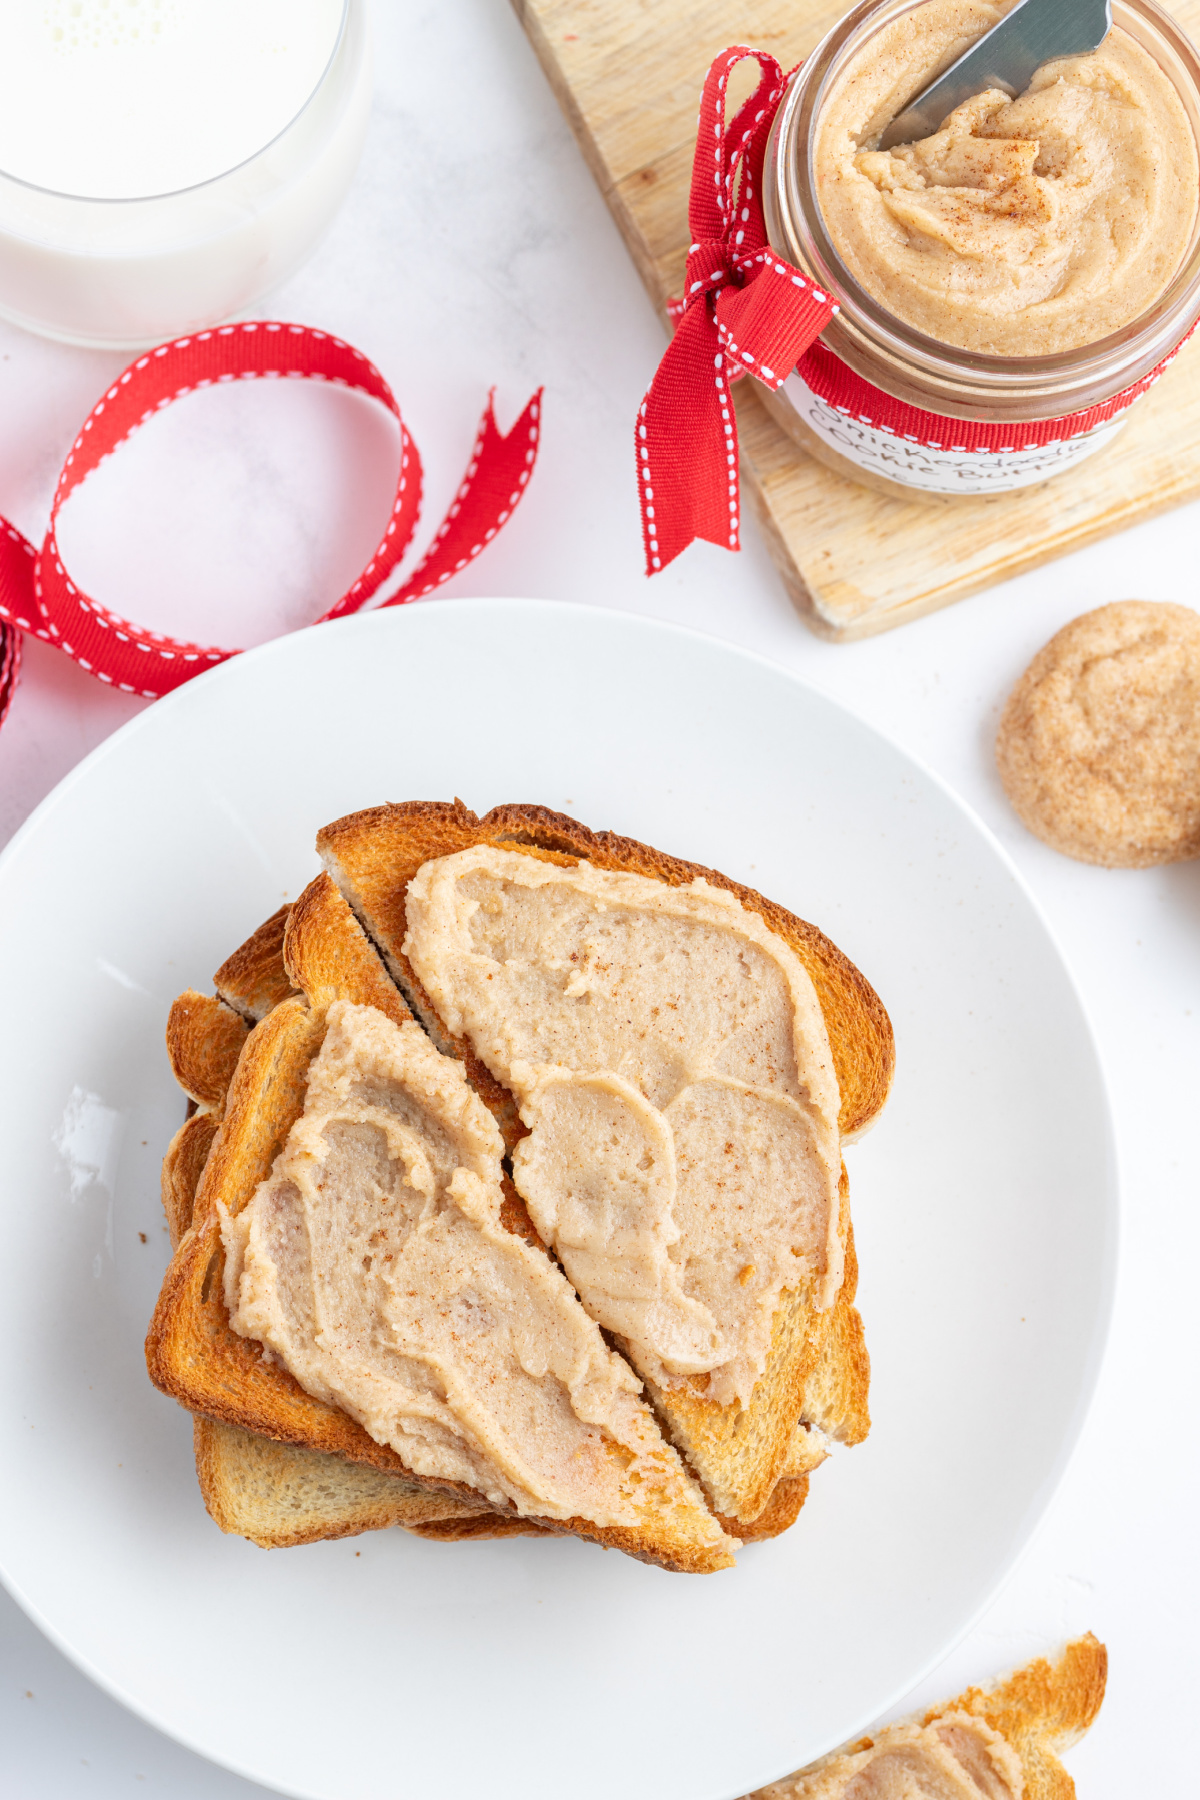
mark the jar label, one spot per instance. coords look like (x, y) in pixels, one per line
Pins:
(937, 470)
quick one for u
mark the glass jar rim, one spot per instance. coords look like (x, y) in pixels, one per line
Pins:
(923, 369)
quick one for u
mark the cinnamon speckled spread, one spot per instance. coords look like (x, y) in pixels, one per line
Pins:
(670, 1058)
(1022, 227)
(957, 1757)
(372, 1263)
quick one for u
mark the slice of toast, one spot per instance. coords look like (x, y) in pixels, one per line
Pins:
(1001, 1742)
(279, 1495)
(1042, 1710)
(192, 1351)
(204, 1040)
(275, 1494)
(818, 1369)
(255, 978)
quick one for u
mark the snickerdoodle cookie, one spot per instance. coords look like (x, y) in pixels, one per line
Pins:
(1099, 745)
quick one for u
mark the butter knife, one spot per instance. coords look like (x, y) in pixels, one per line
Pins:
(1006, 57)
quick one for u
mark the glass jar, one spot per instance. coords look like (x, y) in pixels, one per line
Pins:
(124, 273)
(891, 407)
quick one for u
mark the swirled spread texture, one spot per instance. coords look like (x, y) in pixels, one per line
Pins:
(957, 1757)
(373, 1264)
(1022, 227)
(671, 1062)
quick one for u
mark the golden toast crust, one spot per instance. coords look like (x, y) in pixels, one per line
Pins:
(777, 1516)
(183, 1167)
(280, 1495)
(204, 1041)
(1042, 1710)
(483, 1525)
(254, 979)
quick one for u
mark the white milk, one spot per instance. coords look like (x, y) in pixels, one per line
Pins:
(165, 162)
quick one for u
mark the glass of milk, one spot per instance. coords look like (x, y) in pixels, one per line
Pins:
(163, 163)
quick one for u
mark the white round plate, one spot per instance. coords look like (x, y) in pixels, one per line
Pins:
(984, 1208)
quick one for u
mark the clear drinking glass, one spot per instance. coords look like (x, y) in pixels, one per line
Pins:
(125, 274)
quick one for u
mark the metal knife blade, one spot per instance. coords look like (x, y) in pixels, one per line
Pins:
(1006, 57)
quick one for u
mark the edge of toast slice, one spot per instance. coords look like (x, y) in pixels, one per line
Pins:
(280, 1495)
(254, 977)
(204, 1040)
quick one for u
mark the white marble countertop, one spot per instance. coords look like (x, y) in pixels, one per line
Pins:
(474, 250)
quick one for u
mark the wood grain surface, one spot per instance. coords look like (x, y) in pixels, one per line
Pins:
(628, 74)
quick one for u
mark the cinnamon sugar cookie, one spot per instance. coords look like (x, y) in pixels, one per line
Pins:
(1099, 745)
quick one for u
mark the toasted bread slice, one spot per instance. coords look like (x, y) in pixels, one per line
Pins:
(275, 1494)
(183, 1165)
(204, 1040)
(818, 1369)
(777, 1516)
(191, 1343)
(279, 1494)
(254, 978)
(994, 1742)
(192, 1351)
(1041, 1711)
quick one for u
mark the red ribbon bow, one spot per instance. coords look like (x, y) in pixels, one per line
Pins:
(38, 596)
(744, 311)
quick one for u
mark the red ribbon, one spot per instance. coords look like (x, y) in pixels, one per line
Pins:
(10, 664)
(825, 375)
(38, 596)
(744, 311)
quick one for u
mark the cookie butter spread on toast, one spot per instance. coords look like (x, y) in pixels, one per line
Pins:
(1021, 227)
(373, 1264)
(671, 1062)
(956, 1757)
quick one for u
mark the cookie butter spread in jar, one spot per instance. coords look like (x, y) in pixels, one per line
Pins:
(1021, 227)
(1026, 270)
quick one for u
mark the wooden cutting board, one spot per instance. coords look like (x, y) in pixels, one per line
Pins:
(628, 75)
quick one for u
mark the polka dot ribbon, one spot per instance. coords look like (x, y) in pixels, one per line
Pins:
(38, 596)
(744, 312)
